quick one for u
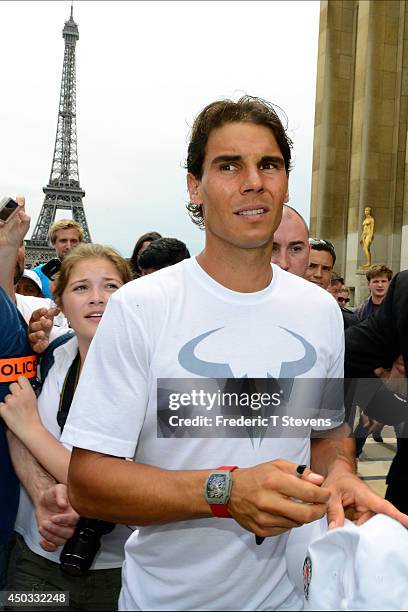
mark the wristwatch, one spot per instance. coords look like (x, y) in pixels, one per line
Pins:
(217, 490)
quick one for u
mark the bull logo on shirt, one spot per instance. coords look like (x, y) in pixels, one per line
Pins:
(289, 369)
(223, 373)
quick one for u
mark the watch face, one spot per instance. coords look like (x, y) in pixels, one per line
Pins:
(216, 486)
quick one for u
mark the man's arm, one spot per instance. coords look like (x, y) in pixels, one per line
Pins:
(11, 236)
(56, 518)
(20, 413)
(336, 452)
(29, 472)
(374, 342)
(262, 498)
(390, 403)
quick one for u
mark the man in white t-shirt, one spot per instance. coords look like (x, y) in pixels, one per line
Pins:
(218, 321)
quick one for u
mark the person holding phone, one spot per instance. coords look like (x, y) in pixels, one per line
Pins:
(15, 356)
(13, 347)
(8, 208)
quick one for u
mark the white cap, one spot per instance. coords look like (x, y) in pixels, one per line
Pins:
(354, 567)
(297, 546)
(34, 277)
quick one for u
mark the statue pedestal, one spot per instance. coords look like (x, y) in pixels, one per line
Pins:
(361, 291)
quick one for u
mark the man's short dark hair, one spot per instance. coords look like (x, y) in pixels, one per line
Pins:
(318, 244)
(378, 270)
(248, 109)
(336, 278)
(148, 237)
(162, 253)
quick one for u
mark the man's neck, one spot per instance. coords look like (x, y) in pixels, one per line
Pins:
(376, 300)
(242, 270)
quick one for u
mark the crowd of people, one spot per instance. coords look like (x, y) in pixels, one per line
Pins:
(102, 500)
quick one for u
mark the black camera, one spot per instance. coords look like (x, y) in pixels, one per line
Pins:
(79, 551)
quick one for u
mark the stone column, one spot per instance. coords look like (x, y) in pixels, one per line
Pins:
(360, 142)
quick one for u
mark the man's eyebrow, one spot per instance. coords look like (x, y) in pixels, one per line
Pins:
(226, 158)
(296, 242)
(276, 159)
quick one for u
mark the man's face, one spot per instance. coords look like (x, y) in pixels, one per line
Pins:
(25, 286)
(65, 240)
(334, 288)
(379, 286)
(243, 186)
(291, 244)
(343, 298)
(320, 267)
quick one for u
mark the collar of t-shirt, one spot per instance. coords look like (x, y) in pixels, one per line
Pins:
(229, 295)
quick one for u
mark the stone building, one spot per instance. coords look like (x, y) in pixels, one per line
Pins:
(360, 137)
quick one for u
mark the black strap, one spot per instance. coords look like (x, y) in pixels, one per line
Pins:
(68, 390)
(47, 358)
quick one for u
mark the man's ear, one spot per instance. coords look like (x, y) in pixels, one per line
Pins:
(193, 185)
(286, 200)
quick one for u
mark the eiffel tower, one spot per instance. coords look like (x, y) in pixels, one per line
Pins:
(63, 190)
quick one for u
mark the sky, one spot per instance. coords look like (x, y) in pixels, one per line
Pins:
(144, 71)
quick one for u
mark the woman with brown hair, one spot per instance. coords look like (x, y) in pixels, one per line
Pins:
(89, 275)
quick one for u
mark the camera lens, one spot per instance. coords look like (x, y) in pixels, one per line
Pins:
(79, 551)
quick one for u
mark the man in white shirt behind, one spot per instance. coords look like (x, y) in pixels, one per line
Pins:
(227, 314)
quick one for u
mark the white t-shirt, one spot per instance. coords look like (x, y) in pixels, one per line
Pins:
(111, 553)
(147, 332)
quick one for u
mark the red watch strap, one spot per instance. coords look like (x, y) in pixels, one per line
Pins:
(221, 510)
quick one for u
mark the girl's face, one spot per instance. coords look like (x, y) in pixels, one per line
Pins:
(90, 285)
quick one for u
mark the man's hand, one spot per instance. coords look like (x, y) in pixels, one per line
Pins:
(56, 517)
(370, 424)
(12, 233)
(269, 498)
(39, 328)
(396, 378)
(11, 236)
(348, 491)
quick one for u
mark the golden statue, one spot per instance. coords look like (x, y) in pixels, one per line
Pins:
(367, 236)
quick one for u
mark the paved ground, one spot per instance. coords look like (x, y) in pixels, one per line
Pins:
(375, 460)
